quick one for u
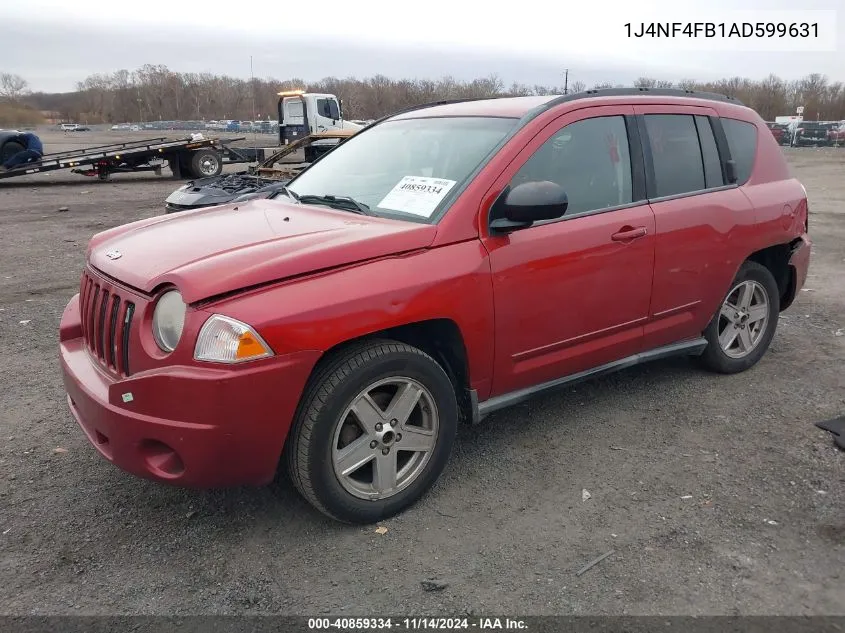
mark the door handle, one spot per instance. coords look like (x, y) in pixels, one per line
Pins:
(627, 233)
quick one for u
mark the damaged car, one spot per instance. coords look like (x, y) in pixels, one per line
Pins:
(207, 192)
(447, 262)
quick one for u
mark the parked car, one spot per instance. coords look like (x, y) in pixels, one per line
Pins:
(812, 133)
(74, 127)
(780, 131)
(10, 144)
(836, 134)
(446, 262)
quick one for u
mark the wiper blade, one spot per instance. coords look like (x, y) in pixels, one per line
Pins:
(342, 202)
(289, 192)
(283, 190)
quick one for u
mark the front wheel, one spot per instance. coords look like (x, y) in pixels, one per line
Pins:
(10, 149)
(373, 433)
(742, 329)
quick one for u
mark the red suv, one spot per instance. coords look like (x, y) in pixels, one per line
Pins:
(446, 262)
(779, 131)
(836, 134)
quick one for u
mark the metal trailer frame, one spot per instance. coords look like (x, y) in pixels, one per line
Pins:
(133, 156)
(267, 168)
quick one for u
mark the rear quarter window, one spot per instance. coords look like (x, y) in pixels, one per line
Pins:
(742, 142)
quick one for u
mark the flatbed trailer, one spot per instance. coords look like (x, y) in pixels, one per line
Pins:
(192, 157)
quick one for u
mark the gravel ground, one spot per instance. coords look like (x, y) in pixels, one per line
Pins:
(717, 495)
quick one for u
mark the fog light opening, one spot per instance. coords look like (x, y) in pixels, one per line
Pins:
(161, 459)
(101, 439)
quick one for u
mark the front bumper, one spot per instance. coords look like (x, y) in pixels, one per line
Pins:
(811, 142)
(191, 426)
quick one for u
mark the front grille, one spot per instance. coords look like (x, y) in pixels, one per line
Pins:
(106, 321)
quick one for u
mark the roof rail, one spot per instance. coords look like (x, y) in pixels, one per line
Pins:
(657, 92)
(431, 104)
(595, 92)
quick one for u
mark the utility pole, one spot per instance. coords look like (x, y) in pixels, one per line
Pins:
(565, 81)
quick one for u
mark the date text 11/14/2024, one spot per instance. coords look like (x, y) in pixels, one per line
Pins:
(416, 624)
(723, 29)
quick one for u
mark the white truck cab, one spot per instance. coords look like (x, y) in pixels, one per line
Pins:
(303, 113)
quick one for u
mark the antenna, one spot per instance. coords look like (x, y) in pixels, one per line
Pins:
(566, 81)
(252, 122)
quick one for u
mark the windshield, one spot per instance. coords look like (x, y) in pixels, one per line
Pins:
(405, 169)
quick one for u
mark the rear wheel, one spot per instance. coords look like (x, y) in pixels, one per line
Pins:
(742, 329)
(373, 433)
(205, 163)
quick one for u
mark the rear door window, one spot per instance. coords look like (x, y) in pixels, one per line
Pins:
(676, 153)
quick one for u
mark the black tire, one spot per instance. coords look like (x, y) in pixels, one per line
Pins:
(714, 357)
(330, 392)
(205, 163)
(10, 148)
(175, 167)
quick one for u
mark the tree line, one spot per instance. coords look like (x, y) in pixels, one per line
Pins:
(155, 92)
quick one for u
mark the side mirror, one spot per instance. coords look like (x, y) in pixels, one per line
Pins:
(527, 203)
(730, 171)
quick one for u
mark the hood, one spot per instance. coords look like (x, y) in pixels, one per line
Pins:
(217, 190)
(228, 247)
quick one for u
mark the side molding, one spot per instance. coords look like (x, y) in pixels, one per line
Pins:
(685, 348)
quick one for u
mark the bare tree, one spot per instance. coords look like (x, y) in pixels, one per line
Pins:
(645, 82)
(156, 92)
(13, 87)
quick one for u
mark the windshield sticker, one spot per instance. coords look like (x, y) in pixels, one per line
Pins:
(418, 195)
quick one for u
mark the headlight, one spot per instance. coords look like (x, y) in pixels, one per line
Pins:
(168, 320)
(226, 340)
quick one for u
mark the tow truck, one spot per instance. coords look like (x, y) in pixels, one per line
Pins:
(307, 120)
(309, 123)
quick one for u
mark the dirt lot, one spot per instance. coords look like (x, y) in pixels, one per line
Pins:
(505, 529)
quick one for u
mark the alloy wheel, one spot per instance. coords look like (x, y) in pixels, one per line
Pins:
(743, 319)
(385, 438)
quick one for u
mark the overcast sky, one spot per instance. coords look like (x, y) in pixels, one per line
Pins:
(55, 43)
